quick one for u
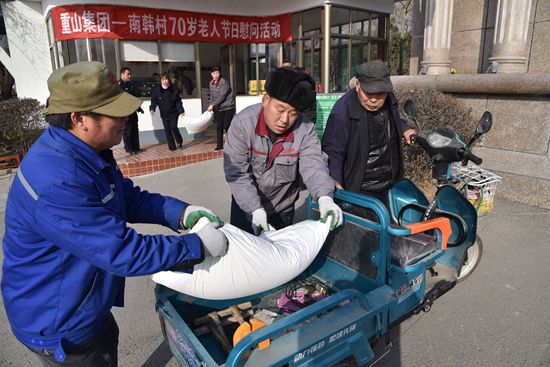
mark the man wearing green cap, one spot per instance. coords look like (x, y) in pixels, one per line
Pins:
(363, 135)
(67, 247)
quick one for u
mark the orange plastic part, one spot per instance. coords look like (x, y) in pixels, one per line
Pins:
(257, 324)
(243, 330)
(443, 224)
(246, 328)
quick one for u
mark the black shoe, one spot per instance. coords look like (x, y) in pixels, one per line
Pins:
(171, 149)
(218, 148)
(180, 145)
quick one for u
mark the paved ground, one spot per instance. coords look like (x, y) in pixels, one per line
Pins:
(497, 317)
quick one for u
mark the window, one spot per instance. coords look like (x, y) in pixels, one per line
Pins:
(142, 58)
(178, 60)
(103, 50)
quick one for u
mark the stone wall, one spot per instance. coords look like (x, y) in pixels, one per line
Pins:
(517, 147)
(472, 36)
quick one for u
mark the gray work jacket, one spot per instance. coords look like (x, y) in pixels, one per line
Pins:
(265, 174)
(221, 96)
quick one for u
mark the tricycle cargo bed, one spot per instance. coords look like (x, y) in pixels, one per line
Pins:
(360, 290)
(322, 333)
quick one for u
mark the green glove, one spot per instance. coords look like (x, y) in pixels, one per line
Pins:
(192, 214)
(327, 208)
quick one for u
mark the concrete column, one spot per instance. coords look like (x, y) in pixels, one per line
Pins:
(510, 42)
(437, 37)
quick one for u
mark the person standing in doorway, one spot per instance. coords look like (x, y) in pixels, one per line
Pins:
(222, 102)
(131, 130)
(167, 97)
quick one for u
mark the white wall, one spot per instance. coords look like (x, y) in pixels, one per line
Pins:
(192, 108)
(29, 60)
(147, 122)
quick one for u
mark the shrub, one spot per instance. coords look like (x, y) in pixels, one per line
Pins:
(22, 122)
(435, 109)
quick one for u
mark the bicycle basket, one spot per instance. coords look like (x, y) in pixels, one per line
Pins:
(477, 184)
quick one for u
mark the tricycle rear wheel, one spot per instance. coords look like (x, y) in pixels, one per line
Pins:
(472, 257)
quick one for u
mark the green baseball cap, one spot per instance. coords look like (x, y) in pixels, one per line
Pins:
(374, 77)
(88, 87)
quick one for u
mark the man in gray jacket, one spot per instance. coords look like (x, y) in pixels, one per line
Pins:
(269, 146)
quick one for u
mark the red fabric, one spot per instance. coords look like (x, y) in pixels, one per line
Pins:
(262, 130)
(132, 23)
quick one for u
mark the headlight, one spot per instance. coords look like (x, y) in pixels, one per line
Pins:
(439, 141)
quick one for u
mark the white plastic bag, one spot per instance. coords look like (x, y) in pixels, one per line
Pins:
(195, 125)
(252, 264)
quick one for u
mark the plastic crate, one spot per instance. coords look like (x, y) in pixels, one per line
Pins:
(478, 185)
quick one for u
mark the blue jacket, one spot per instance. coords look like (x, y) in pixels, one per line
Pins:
(67, 246)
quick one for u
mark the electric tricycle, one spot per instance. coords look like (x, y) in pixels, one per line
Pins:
(369, 276)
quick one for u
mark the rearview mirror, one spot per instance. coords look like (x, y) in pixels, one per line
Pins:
(485, 123)
(483, 126)
(410, 109)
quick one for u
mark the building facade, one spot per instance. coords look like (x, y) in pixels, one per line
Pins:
(493, 56)
(480, 36)
(245, 38)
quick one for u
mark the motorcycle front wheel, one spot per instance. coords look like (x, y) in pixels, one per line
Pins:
(472, 257)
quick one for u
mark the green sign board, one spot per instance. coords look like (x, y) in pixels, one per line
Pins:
(325, 102)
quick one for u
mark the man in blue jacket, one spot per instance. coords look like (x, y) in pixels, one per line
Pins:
(67, 246)
(363, 135)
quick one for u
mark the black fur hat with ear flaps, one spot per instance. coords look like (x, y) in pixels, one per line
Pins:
(292, 86)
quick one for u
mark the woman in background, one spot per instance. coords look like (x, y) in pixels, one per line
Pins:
(167, 97)
(222, 102)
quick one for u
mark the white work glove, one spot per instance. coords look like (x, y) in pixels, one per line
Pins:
(327, 207)
(213, 241)
(259, 221)
(191, 215)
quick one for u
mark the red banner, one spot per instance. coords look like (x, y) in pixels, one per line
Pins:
(131, 23)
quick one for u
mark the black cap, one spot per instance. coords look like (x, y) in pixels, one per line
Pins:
(374, 77)
(292, 86)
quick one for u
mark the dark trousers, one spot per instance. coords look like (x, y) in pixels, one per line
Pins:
(101, 350)
(223, 120)
(172, 132)
(131, 135)
(241, 220)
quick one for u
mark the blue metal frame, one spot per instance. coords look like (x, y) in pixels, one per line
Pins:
(449, 200)
(338, 326)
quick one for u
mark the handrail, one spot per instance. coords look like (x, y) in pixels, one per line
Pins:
(273, 329)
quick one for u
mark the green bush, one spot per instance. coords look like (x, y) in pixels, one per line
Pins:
(22, 121)
(435, 109)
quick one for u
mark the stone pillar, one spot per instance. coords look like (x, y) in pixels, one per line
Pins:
(437, 37)
(510, 42)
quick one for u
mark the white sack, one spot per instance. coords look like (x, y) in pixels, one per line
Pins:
(195, 125)
(252, 264)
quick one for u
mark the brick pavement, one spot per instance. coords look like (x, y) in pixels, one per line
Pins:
(157, 157)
